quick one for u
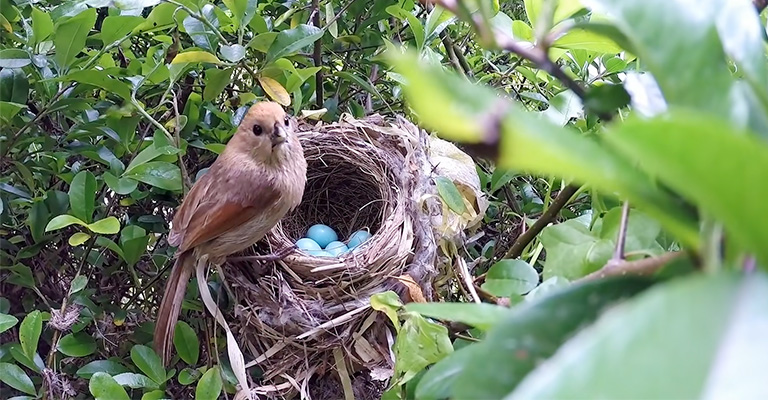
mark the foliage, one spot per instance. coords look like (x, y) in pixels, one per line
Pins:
(109, 111)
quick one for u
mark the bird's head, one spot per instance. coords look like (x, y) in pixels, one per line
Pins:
(265, 131)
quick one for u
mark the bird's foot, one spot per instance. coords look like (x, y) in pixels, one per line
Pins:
(279, 255)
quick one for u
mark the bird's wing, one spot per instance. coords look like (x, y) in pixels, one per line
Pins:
(218, 206)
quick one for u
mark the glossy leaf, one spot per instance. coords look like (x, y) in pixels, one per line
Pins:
(7, 322)
(157, 173)
(78, 238)
(104, 387)
(510, 277)
(29, 333)
(148, 362)
(42, 24)
(108, 366)
(120, 185)
(77, 344)
(290, 41)
(233, 53)
(70, 36)
(210, 385)
(82, 195)
(419, 343)
(14, 58)
(195, 56)
(16, 378)
(275, 90)
(105, 226)
(63, 221)
(186, 343)
(135, 381)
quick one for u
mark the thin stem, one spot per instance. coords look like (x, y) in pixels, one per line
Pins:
(618, 254)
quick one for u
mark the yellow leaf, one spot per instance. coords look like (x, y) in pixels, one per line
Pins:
(275, 90)
(195, 56)
(78, 238)
(5, 24)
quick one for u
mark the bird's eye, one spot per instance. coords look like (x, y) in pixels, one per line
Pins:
(287, 120)
(257, 130)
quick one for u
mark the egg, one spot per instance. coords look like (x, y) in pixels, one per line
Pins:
(336, 248)
(357, 238)
(322, 234)
(307, 244)
(320, 253)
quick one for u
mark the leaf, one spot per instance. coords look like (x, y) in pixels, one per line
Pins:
(563, 9)
(135, 381)
(202, 35)
(38, 219)
(7, 322)
(108, 366)
(9, 110)
(681, 323)
(705, 176)
(148, 362)
(533, 331)
(157, 173)
(120, 185)
(586, 40)
(437, 382)
(15, 377)
(363, 83)
(209, 386)
(14, 86)
(42, 25)
(233, 53)
(606, 98)
(70, 36)
(419, 343)
(186, 343)
(216, 80)
(29, 333)
(63, 221)
(195, 56)
(102, 80)
(290, 41)
(480, 315)
(450, 194)
(187, 376)
(78, 238)
(275, 90)
(508, 277)
(115, 27)
(333, 27)
(105, 226)
(14, 58)
(78, 284)
(77, 345)
(82, 195)
(104, 387)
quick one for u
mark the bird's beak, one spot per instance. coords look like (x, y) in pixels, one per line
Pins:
(280, 134)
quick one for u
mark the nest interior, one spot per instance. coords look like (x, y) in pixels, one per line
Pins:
(291, 316)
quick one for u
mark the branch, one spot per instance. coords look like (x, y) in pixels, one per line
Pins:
(760, 5)
(646, 266)
(317, 56)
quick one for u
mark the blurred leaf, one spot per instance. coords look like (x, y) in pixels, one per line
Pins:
(108, 366)
(14, 58)
(157, 173)
(563, 9)
(480, 315)
(186, 343)
(437, 382)
(680, 322)
(510, 277)
(586, 40)
(70, 36)
(29, 333)
(450, 194)
(77, 344)
(78, 238)
(105, 226)
(290, 41)
(7, 322)
(16, 378)
(14, 86)
(606, 98)
(148, 362)
(209, 386)
(104, 387)
(115, 27)
(195, 56)
(82, 196)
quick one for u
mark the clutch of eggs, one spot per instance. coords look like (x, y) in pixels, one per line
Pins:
(322, 241)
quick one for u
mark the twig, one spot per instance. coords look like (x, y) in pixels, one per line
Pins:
(317, 56)
(646, 266)
(618, 254)
(185, 180)
(546, 217)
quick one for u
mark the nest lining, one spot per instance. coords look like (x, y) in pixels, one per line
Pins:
(292, 314)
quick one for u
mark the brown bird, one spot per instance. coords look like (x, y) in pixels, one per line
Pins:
(254, 182)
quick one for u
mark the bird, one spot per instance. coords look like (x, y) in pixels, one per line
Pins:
(257, 179)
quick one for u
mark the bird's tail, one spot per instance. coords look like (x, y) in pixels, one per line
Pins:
(170, 306)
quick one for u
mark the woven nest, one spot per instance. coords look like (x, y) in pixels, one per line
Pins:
(308, 317)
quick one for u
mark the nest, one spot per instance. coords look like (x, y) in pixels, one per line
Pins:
(305, 316)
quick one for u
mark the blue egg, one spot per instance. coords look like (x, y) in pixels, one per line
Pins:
(358, 238)
(322, 234)
(307, 244)
(320, 253)
(336, 248)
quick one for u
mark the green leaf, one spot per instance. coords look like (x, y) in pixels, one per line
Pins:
(563, 9)
(77, 344)
(115, 27)
(101, 79)
(104, 242)
(70, 36)
(188, 376)
(133, 240)
(290, 41)
(29, 333)
(15, 377)
(42, 24)
(82, 195)
(363, 83)
(63, 221)
(705, 176)
(14, 58)
(104, 387)
(108, 366)
(195, 56)
(233, 53)
(105, 226)
(681, 323)
(419, 344)
(387, 302)
(186, 343)
(203, 36)
(120, 185)
(135, 381)
(78, 238)
(606, 98)
(151, 152)
(148, 362)
(586, 40)
(78, 284)
(333, 27)
(209, 386)
(509, 277)
(38, 219)
(157, 173)
(480, 315)
(437, 382)
(533, 331)
(14, 86)
(450, 195)
(154, 395)
(216, 80)
(7, 322)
